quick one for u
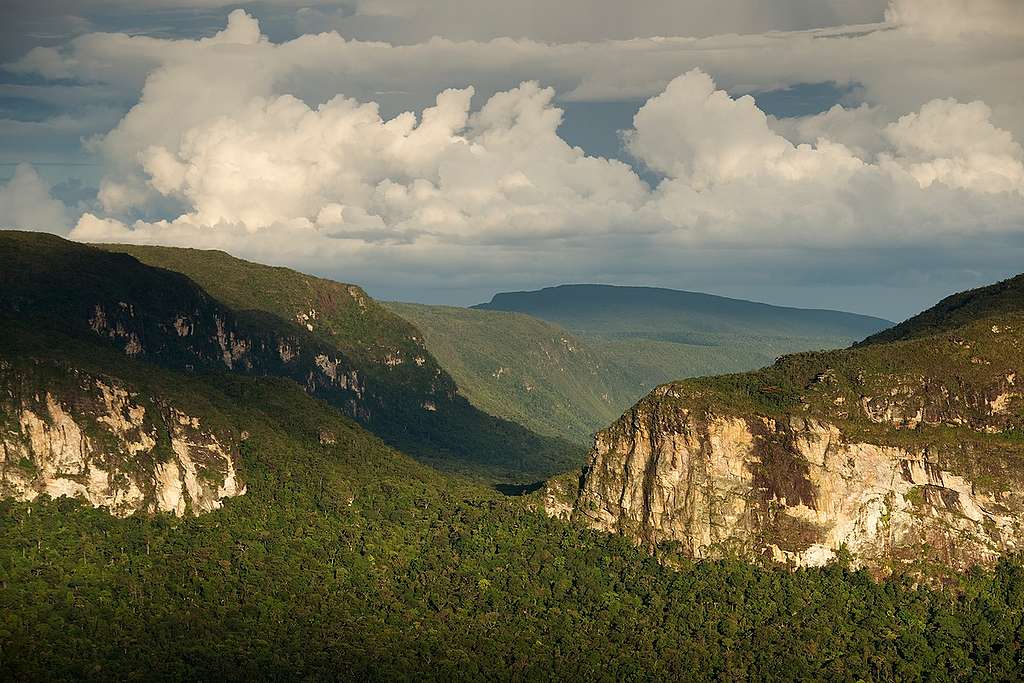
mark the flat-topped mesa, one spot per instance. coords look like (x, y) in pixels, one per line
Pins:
(91, 438)
(900, 453)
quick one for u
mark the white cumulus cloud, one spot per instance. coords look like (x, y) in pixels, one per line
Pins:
(956, 18)
(26, 204)
(501, 176)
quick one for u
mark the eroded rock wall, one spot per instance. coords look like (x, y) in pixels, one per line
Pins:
(792, 489)
(93, 439)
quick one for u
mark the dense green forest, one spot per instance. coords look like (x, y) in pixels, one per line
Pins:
(351, 561)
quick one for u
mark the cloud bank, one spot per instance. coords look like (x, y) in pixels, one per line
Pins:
(281, 152)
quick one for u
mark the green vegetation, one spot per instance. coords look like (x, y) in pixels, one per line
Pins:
(346, 559)
(623, 342)
(677, 316)
(342, 314)
(524, 369)
(351, 561)
(399, 392)
(962, 308)
(650, 362)
(934, 392)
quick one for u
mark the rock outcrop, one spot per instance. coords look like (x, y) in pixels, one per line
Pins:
(898, 465)
(91, 438)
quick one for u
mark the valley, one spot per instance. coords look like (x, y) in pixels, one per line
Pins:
(199, 481)
(485, 341)
(565, 361)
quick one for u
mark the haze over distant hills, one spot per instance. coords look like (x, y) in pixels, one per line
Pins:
(566, 360)
(671, 315)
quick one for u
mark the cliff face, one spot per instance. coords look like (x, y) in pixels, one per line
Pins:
(68, 433)
(164, 318)
(330, 338)
(867, 449)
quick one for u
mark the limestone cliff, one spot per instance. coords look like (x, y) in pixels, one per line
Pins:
(901, 453)
(78, 435)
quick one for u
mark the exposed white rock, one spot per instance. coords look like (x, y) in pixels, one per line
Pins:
(232, 348)
(102, 451)
(285, 351)
(795, 491)
(1001, 403)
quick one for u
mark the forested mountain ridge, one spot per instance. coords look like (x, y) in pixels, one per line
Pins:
(525, 369)
(906, 453)
(350, 351)
(653, 335)
(347, 560)
(992, 301)
(614, 311)
(567, 360)
(339, 313)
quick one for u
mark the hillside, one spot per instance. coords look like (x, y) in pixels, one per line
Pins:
(1001, 298)
(906, 453)
(671, 315)
(659, 335)
(349, 351)
(624, 341)
(524, 369)
(345, 559)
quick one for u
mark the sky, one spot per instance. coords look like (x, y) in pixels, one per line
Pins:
(860, 155)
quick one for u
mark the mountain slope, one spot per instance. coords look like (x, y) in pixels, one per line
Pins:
(347, 560)
(625, 341)
(684, 317)
(659, 335)
(906, 452)
(341, 314)
(995, 300)
(66, 431)
(356, 356)
(524, 369)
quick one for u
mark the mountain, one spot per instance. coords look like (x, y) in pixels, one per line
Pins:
(71, 430)
(623, 342)
(331, 338)
(659, 335)
(905, 453)
(676, 316)
(196, 516)
(525, 369)
(999, 299)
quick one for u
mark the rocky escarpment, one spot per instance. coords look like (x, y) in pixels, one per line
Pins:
(163, 317)
(903, 454)
(330, 338)
(386, 353)
(69, 433)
